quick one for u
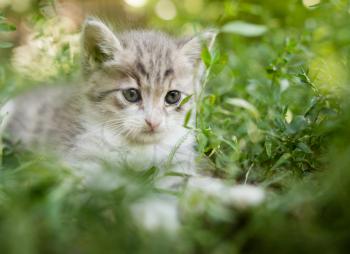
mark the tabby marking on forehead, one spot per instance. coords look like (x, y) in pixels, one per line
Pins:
(154, 53)
(141, 68)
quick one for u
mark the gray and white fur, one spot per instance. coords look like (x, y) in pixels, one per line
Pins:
(94, 121)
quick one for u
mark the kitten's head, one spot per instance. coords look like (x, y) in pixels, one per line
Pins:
(137, 80)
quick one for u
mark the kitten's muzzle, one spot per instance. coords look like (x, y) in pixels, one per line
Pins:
(153, 125)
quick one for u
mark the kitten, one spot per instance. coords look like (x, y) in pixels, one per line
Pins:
(128, 111)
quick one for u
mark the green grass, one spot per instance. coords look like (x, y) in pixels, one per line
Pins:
(274, 114)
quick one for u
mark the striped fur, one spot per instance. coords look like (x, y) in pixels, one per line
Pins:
(92, 121)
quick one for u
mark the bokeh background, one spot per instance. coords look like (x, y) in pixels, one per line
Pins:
(274, 114)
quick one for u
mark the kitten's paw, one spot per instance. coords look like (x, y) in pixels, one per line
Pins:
(240, 196)
(244, 196)
(159, 212)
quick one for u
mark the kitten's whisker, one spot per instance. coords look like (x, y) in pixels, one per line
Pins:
(113, 124)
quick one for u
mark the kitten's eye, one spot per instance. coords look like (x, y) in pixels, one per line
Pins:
(132, 95)
(172, 97)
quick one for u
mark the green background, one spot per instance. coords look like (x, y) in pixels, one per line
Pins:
(274, 114)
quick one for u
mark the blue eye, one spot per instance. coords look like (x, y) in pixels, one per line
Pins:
(132, 95)
(173, 97)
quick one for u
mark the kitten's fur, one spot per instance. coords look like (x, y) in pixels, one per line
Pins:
(92, 122)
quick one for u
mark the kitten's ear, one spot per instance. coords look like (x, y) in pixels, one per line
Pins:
(99, 44)
(192, 47)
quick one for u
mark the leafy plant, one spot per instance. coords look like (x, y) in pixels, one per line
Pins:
(273, 112)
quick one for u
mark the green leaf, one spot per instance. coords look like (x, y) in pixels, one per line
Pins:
(238, 102)
(219, 62)
(185, 100)
(6, 27)
(202, 140)
(244, 29)
(268, 148)
(282, 160)
(174, 173)
(212, 99)
(187, 118)
(304, 147)
(150, 173)
(206, 57)
(298, 124)
(5, 45)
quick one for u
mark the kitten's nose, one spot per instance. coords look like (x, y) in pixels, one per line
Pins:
(152, 124)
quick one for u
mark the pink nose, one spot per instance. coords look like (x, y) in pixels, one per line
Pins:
(152, 124)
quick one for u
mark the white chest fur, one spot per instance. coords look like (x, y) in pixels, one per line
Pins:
(174, 152)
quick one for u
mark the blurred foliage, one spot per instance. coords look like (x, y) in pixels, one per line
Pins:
(274, 113)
